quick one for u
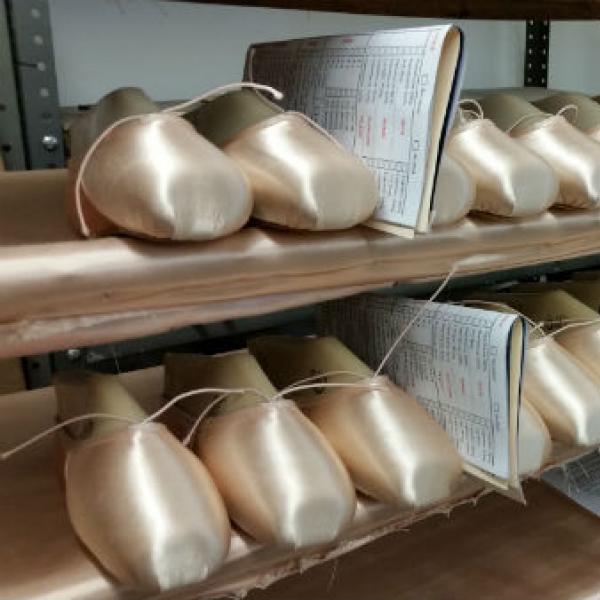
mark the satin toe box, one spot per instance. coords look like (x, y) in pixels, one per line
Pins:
(301, 178)
(573, 155)
(155, 177)
(146, 508)
(535, 444)
(394, 450)
(281, 481)
(564, 394)
(583, 343)
(454, 192)
(511, 180)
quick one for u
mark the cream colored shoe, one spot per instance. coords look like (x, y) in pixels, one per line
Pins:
(281, 481)
(143, 504)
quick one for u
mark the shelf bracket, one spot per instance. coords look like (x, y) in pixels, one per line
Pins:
(537, 47)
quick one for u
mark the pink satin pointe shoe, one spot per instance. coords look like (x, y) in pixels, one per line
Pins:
(153, 176)
(141, 503)
(574, 156)
(586, 110)
(395, 452)
(281, 481)
(510, 180)
(454, 193)
(301, 178)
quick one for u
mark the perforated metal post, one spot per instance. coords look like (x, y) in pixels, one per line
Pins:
(33, 55)
(537, 47)
(12, 149)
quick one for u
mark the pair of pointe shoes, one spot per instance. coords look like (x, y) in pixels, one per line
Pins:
(199, 170)
(521, 159)
(572, 153)
(391, 448)
(562, 371)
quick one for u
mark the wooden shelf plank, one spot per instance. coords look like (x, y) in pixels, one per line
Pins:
(41, 556)
(58, 291)
(455, 9)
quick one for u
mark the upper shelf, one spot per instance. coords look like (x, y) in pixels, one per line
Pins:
(58, 291)
(463, 9)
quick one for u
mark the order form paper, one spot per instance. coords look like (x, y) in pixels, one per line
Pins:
(579, 480)
(454, 361)
(373, 93)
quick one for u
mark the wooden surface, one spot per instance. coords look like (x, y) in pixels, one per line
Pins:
(501, 550)
(465, 9)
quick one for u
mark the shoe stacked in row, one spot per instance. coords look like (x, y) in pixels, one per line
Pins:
(562, 368)
(199, 170)
(512, 158)
(155, 514)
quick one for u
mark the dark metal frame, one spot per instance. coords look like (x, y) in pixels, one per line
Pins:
(537, 48)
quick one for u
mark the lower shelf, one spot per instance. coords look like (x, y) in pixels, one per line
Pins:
(58, 291)
(41, 557)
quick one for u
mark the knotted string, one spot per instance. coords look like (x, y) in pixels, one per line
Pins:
(299, 385)
(225, 392)
(36, 438)
(559, 113)
(578, 323)
(475, 115)
(177, 111)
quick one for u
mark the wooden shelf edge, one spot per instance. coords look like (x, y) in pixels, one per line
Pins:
(454, 9)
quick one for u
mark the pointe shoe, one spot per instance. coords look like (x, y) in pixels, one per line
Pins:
(510, 180)
(586, 117)
(116, 105)
(454, 193)
(574, 156)
(394, 450)
(141, 503)
(535, 444)
(565, 395)
(152, 176)
(559, 308)
(281, 481)
(300, 177)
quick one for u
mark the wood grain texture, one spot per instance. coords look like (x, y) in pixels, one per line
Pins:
(464, 9)
(500, 550)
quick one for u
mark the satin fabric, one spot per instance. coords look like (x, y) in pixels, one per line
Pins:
(280, 479)
(574, 157)
(301, 178)
(393, 449)
(586, 115)
(155, 177)
(510, 180)
(115, 105)
(454, 192)
(146, 508)
(584, 344)
(535, 445)
(395, 452)
(566, 397)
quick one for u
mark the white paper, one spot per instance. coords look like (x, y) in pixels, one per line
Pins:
(454, 361)
(579, 480)
(372, 92)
